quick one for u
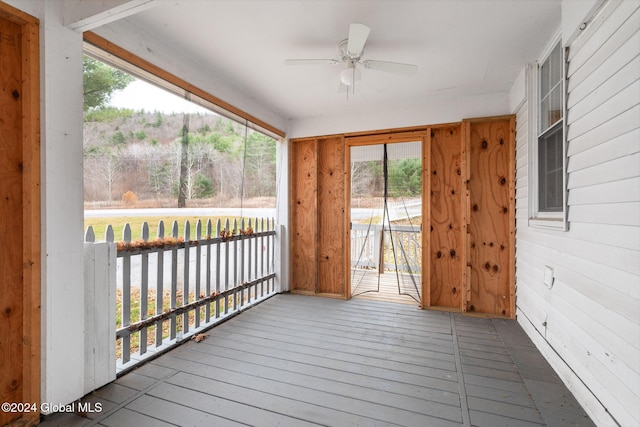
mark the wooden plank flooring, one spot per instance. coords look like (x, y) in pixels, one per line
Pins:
(366, 284)
(297, 360)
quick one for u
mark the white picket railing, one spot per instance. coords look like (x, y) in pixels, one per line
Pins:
(172, 287)
(370, 247)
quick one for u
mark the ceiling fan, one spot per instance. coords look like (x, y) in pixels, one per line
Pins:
(350, 51)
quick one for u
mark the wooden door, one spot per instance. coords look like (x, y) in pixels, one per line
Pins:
(19, 217)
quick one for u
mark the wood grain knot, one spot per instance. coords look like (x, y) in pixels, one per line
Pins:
(14, 384)
(484, 144)
(501, 141)
(458, 172)
(505, 209)
(15, 94)
(7, 311)
(439, 254)
(503, 180)
(487, 266)
(454, 290)
(475, 207)
(495, 268)
(452, 253)
(453, 192)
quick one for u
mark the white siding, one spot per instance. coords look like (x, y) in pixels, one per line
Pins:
(588, 323)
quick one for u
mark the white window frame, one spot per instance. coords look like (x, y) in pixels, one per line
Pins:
(549, 220)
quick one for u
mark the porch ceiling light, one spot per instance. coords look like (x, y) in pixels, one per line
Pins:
(350, 75)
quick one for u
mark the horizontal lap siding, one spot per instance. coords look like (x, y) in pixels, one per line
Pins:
(591, 316)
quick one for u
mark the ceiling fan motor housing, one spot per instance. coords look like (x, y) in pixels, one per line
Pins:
(347, 56)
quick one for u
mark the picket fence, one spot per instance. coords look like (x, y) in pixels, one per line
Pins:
(170, 288)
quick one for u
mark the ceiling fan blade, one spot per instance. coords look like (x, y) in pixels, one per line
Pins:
(391, 67)
(358, 34)
(311, 61)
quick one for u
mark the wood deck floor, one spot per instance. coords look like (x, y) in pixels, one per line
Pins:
(297, 360)
(367, 285)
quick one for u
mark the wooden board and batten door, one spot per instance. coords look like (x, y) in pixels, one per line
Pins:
(19, 217)
(468, 208)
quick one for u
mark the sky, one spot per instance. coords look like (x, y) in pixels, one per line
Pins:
(141, 95)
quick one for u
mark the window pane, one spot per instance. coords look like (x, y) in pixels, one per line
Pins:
(555, 105)
(545, 83)
(551, 96)
(555, 68)
(544, 114)
(550, 171)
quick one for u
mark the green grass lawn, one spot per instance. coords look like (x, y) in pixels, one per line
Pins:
(118, 223)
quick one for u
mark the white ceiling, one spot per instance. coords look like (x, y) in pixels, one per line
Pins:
(462, 47)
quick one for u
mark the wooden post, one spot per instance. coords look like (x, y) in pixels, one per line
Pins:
(20, 258)
(466, 218)
(426, 219)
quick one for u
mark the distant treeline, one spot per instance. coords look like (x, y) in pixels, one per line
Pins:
(143, 154)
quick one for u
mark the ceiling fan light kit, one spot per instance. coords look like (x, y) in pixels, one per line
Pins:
(350, 75)
(350, 51)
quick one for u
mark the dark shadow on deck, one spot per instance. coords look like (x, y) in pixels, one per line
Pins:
(297, 360)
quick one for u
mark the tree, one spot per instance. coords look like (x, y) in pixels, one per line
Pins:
(184, 164)
(405, 177)
(100, 81)
(106, 165)
(202, 186)
(260, 165)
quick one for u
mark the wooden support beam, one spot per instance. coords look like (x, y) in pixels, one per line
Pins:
(20, 257)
